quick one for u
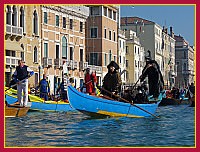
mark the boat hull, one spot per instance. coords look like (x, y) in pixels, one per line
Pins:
(95, 106)
(40, 105)
(172, 101)
(15, 111)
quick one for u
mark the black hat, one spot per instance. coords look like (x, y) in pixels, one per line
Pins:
(114, 64)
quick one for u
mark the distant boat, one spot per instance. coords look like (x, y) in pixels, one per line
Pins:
(169, 100)
(15, 110)
(39, 104)
(99, 107)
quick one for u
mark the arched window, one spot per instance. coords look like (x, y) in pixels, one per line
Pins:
(64, 48)
(8, 15)
(35, 54)
(14, 16)
(22, 18)
(35, 23)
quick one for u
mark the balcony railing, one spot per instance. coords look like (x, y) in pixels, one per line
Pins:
(46, 62)
(98, 69)
(58, 63)
(12, 61)
(14, 31)
(83, 65)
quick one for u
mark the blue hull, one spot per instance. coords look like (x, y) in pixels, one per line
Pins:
(96, 106)
(51, 106)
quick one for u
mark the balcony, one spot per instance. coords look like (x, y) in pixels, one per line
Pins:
(12, 61)
(58, 63)
(46, 62)
(83, 65)
(98, 69)
(14, 32)
(72, 64)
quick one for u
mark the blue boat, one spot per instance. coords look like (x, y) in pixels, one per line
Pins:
(39, 104)
(97, 106)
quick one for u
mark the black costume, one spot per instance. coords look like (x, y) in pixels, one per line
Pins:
(112, 80)
(155, 78)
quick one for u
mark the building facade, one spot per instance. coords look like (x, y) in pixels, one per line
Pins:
(169, 65)
(101, 37)
(134, 57)
(151, 38)
(122, 54)
(22, 39)
(185, 56)
(63, 43)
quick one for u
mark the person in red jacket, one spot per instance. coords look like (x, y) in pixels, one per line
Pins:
(88, 82)
(94, 81)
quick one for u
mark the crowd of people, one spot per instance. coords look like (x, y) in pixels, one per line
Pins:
(112, 84)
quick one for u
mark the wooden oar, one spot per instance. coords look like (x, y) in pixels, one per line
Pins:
(16, 84)
(129, 102)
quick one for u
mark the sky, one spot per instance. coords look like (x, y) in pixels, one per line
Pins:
(180, 17)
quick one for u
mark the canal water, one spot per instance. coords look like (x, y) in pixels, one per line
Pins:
(175, 127)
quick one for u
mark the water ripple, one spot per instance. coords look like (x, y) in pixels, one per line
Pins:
(175, 127)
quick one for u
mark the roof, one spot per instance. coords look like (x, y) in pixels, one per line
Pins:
(134, 20)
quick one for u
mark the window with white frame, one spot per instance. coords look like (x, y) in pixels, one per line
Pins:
(57, 51)
(45, 18)
(46, 50)
(14, 16)
(64, 47)
(8, 15)
(57, 20)
(64, 22)
(22, 18)
(35, 23)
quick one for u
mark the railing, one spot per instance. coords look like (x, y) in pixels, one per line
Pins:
(14, 30)
(46, 62)
(58, 63)
(98, 69)
(83, 65)
(12, 61)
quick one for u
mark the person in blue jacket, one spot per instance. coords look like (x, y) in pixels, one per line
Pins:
(21, 75)
(44, 88)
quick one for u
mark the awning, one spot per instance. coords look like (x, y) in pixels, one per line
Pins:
(13, 46)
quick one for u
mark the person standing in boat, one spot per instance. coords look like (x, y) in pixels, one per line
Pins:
(112, 80)
(21, 75)
(155, 78)
(44, 88)
(88, 82)
(62, 90)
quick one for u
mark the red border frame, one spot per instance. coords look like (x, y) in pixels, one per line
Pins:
(95, 2)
